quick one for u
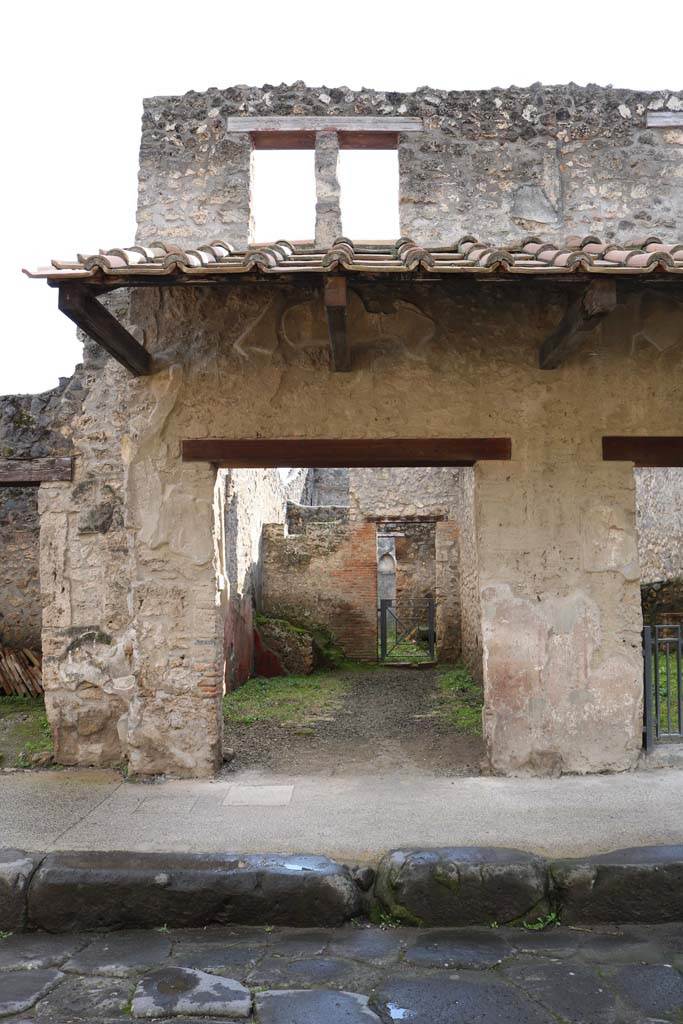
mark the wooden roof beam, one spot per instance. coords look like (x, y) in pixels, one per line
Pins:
(32, 472)
(335, 312)
(78, 303)
(582, 317)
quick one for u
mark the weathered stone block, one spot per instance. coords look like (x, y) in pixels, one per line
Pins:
(643, 884)
(293, 646)
(92, 890)
(177, 990)
(454, 886)
(16, 869)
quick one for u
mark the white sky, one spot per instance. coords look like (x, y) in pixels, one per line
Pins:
(74, 74)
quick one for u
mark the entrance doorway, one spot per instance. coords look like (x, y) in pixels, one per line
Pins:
(308, 555)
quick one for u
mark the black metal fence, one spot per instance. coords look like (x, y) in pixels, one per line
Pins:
(663, 710)
(408, 643)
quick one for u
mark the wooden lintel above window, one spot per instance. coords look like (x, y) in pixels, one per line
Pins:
(32, 472)
(306, 140)
(644, 451)
(267, 453)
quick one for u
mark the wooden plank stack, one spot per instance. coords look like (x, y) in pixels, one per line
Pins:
(20, 672)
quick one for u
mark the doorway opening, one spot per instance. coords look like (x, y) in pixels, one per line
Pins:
(307, 557)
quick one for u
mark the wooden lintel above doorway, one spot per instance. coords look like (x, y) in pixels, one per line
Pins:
(644, 450)
(266, 453)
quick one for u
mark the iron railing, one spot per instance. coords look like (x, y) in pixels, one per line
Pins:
(403, 642)
(663, 697)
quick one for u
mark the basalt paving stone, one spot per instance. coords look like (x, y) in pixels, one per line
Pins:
(77, 1000)
(20, 990)
(552, 941)
(121, 953)
(622, 947)
(314, 1007)
(461, 999)
(574, 992)
(300, 941)
(237, 961)
(456, 948)
(652, 989)
(369, 944)
(173, 991)
(226, 935)
(36, 950)
(318, 971)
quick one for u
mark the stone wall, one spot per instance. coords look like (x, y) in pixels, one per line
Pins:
(330, 487)
(300, 517)
(498, 163)
(30, 426)
(247, 499)
(415, 569)
(325, 577)
(659, 504)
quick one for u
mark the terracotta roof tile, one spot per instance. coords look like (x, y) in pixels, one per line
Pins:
(465, 256)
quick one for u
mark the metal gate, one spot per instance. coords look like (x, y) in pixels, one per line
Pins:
(407, 643)
(663, 704)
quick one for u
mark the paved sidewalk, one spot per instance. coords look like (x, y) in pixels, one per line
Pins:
(351, 975)
(347, 818)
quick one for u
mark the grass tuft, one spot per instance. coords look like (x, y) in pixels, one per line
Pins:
(289, 700)
(460, 700)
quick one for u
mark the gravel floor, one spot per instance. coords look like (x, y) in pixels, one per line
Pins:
(386, 723)
(351, 975)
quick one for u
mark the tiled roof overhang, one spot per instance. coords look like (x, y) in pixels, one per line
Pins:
(531, 256)
(594, 266)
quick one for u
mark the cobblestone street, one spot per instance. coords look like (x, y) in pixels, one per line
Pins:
(352, 975)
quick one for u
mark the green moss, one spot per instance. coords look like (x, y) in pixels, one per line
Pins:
(459, 700)
(23, 419)
(27, 732)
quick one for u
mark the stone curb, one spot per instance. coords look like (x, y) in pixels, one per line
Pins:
(442, 887)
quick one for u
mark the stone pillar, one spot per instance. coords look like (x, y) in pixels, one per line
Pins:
(328, 226)
(561, 619)
(175, 722)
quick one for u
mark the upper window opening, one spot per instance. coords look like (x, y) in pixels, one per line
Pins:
(368, 182)
(283, 195)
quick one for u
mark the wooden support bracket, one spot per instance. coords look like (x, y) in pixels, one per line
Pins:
(31, 472)
(582, 317)
(79, 305)
(335, 311)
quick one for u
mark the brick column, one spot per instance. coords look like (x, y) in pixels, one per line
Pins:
(328, 224)
(561, 619)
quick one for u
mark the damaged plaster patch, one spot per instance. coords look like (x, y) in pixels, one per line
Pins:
(531, 205)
